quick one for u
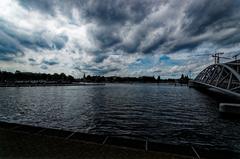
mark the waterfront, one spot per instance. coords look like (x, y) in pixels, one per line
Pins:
(163, 113)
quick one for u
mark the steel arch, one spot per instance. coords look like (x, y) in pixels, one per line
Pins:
(220, 76)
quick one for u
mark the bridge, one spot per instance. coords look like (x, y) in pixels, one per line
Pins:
(223, 78)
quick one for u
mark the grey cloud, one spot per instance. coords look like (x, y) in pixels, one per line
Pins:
(6, 58)
(190, 45)
(44, 67)
(106, 12)
(202, 15)
(39, 41)
(31, 60)
(102, 71)
(14, 40)
(154, 45)
(95, 70)
(99, 58)
(111, 16)
(50, 62)
(232, 39)
(129, 27)
(59, 41)
(212, 18)
(44, 6)
(106, 37)
(111, 12)
(9, 48)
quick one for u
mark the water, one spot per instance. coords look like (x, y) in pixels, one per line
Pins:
(163, 113)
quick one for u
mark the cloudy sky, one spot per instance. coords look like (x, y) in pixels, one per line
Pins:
(113, 37)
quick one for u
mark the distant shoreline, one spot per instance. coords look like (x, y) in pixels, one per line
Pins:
(30, 79)
(49, 84)
(79, 84)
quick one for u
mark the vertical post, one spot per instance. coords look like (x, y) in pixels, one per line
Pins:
(146, 144)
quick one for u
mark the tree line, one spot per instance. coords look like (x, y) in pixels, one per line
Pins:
(29, 76)
(143, 79)
(9, 77)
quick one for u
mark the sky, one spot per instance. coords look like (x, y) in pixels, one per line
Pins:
(117, 37)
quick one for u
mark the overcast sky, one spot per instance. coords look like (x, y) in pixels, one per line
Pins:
(113, 37)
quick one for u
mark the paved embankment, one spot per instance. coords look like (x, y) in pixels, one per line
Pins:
(21, 141)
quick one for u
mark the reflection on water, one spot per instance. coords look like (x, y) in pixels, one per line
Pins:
(164, 113)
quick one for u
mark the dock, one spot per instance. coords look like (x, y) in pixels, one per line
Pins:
(229, 108)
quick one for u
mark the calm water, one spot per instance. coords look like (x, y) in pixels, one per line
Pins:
(164, 113)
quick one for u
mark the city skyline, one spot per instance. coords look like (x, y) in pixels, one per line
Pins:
(116, 38)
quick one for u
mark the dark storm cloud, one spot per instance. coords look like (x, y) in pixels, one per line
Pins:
(216, 17)
(231, 39)
(109, 15)
(204, 14)
(9, 48)
(38, 41)
(112, 34)
(188, 46)
(154, 45)
(13, 40)
(112, 15)
(106, 38)
(106, 12)
(100, 57)
(109, 12)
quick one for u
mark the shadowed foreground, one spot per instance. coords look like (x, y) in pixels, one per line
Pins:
(22, 145)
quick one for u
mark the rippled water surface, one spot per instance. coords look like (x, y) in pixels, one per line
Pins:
(163, 113)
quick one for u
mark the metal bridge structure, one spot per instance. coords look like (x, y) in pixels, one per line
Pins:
(223, 78)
